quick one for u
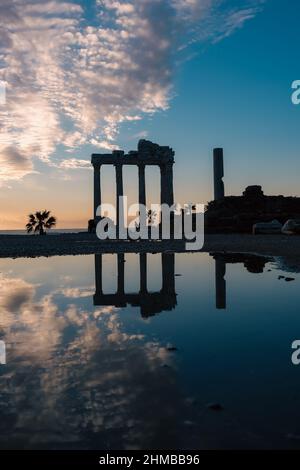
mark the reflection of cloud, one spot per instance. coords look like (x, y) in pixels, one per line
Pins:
(74, 377)
(41, 326)
(14, 294)
(71, 81)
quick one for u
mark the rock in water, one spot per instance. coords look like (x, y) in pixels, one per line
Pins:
(291, 227)
(267, 227)
(171, 348)
(215, 407)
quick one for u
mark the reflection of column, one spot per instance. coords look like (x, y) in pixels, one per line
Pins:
(121, 274)
(143, 273)
(220, 271)
(168, 273)
(98, 274)
(119, 184)
(97, 188)
(142, 185)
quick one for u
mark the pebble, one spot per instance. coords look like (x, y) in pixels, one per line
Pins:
(171, 348)
(215, 407)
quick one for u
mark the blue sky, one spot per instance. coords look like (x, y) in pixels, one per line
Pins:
(237, 94)
(192, 74)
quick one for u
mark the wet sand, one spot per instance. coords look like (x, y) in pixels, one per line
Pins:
(16, 246)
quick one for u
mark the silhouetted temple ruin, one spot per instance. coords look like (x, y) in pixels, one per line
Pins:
(229, 214)
(225, 214)
(147, 153)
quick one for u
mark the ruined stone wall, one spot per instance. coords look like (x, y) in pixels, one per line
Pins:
(239, 213)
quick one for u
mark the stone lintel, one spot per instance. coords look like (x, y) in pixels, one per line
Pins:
(98, 159)
(147, 153)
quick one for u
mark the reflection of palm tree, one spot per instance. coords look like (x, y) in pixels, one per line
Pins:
(40, 222)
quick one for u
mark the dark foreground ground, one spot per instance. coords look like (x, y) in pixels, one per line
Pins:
(15, 246)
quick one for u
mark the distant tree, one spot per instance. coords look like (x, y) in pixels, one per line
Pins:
(40, 222)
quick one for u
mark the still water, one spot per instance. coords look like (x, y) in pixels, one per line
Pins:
(184, 351)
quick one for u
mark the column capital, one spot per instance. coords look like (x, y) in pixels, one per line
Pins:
(167, 163)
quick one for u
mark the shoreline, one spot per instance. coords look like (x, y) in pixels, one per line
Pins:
(31, 246)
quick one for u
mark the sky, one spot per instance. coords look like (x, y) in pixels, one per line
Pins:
(84, 77)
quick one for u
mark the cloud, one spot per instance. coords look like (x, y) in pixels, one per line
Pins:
(14, 164)
(77, 292)
(72, 80)
(140, 135)
(74, 164)
(234, 21)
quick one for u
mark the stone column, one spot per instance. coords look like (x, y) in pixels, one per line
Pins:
(218, 174)
(142, 196)
(162, 184)
(142, 185)
(119, 185)
(143, 273)
(166, 182)
(97, 188)
(167, 192)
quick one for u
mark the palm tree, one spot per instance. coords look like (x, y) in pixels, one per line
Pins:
(151, 216)
(40, 222)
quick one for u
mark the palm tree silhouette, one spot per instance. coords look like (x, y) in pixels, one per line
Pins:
(40, 222)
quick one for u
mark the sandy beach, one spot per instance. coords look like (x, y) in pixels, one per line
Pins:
(16, 246)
